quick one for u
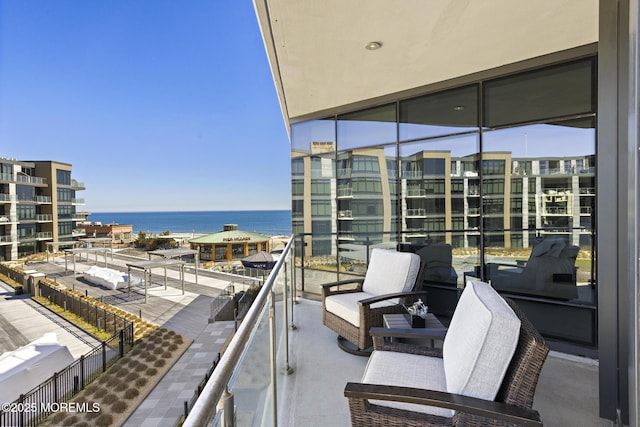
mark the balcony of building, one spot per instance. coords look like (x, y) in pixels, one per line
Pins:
(44, 218)
(77, 185)
(31, 180)
(283, 367)
(345, 192)
(345, 214)
(8, 219)
(43, 200)
(6, 239)
(416, 213)
(7, 198)
(416, 193)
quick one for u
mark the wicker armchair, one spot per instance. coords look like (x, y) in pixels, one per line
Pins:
(390, 403)
(392, 279)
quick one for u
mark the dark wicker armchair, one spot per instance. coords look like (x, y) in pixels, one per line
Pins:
(375, 404)
(392, 278)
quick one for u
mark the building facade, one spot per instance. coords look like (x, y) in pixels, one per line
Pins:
(487, 126)
(37, 205)
(120, 234)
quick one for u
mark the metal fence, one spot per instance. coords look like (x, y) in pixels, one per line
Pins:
(86, 309)
(33, 407)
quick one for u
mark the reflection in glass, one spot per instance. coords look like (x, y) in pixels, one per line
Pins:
(440, 192)
(366, 201)
(560, 91)
(539, 209)
(368, 127)
(447, 112)
(313, 137)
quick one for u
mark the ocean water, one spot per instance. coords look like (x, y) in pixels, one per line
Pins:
(271, 222)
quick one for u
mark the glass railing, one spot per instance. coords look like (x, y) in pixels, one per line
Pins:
(247, 377)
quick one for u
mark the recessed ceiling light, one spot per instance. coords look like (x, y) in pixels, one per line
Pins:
(458, 108)
(373, 45)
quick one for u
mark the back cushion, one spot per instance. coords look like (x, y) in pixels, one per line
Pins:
(480, 342)
(390, 271)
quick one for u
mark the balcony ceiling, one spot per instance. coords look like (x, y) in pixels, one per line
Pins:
(320, 64)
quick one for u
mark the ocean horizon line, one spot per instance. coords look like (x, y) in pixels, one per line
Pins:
(270, 222)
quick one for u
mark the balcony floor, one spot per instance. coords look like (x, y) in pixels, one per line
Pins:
(567, 392)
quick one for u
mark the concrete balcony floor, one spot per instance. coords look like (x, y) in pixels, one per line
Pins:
(567, 392)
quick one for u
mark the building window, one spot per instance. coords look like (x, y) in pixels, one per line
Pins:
(63, 177)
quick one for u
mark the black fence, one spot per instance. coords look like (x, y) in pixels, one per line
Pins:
(86, 309)
(33, 407)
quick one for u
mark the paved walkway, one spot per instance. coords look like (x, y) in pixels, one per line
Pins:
(23, 320)
(187, 314)
(165, 403)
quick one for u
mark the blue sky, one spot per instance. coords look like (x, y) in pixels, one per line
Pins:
(159, 105)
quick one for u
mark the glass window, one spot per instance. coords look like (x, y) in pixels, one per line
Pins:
(447, 112)
(368, 127)
(434, 166)
(25, 193)
(63, 177)
(516, 186)
(313, 137)
(365, 165)
(297, 188)
(297, 166)
(320, 188)
(558, 91)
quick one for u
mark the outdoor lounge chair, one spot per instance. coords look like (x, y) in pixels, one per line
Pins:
(485, 374)
(390, 280)
(549, 272)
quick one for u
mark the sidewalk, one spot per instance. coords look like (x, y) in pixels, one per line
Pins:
(23, 320)
(164, 405)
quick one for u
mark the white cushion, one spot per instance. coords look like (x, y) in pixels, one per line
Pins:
(407, 370)
(480, 342)
(346, 306)
(390, 272)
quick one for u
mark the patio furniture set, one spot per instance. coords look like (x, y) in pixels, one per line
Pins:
(483, 372)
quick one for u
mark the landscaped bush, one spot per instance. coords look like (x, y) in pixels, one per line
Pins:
(109, 399)
(119, 407)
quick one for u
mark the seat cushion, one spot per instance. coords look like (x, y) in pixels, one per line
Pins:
(480, 342)
(407, 370)
(346, 305)
(391, 272)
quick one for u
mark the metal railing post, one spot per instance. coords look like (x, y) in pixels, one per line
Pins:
(272, 346)
(286, 369)
(226, 404)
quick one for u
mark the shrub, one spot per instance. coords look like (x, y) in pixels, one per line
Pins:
(159, 363)
(141, 382)
(119, 406)
(131, 377)
(104, 420)
(152, 371)
(131, 393)
(109, 399)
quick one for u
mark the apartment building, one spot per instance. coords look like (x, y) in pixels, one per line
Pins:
(37, 205)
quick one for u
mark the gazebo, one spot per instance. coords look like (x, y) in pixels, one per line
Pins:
(230, 244)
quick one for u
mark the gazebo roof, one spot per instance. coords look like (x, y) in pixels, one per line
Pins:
(231, 236)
